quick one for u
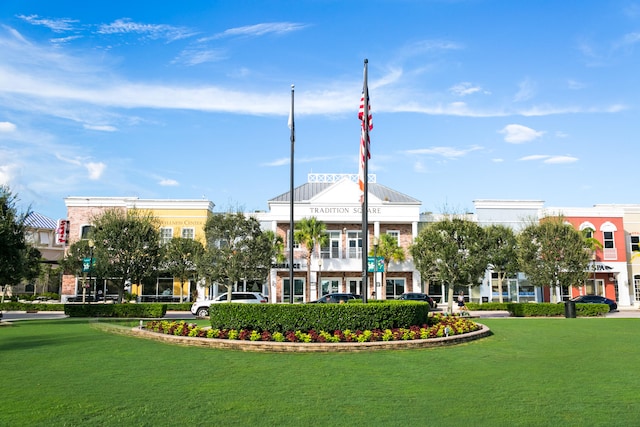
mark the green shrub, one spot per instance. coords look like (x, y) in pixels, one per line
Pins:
(488, 306)
(326, 317)
(545, 309)
(180, 306)
(26, 306)
(116, 310)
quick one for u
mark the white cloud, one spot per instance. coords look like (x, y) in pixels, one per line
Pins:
(534, 157)
(517, 134)
(447, 152)
(7, 173)
(59, 25)
(7, 127)
(95, 170)
(102, 128)
(575, 85)
(258, 30)
(154, 31)
(169, 183)
(194, 56)
(497, 160)
(526, 91)
(545, 158)
(465, 88)
(561, 159)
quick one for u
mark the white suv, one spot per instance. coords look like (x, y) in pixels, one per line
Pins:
(201, 308)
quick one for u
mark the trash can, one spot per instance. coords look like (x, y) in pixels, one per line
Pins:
(570, 309)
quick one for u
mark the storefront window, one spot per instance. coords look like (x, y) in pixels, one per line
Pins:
(395, 288)
(298, 291)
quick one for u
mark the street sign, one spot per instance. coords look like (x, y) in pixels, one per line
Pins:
(86, 264)
(371, 264)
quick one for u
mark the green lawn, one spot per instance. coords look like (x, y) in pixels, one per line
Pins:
(531, 372)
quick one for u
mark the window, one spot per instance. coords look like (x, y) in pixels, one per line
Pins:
(354, 244)
(396, 234)
(332, 249)
(395, 288)
(166, 234)
(44, 238)
(608, 239)
(85, 231)
(296, 245)
(298, 292)
(635, 243)
(188, 233)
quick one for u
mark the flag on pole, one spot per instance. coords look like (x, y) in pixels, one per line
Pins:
(364, 114)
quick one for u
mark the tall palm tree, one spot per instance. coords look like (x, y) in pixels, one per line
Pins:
(312, 234)
(389, 250)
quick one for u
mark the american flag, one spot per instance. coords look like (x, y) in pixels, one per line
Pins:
(367, 125)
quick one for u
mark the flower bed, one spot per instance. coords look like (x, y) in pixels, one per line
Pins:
(443, 326)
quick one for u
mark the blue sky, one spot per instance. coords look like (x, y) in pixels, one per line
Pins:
(472, 99)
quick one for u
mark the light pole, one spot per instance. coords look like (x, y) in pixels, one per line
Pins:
(375, 268)
(91, 244)
(319, 284)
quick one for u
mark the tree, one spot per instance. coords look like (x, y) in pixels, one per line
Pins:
(553, 254)
(453, 251)
(502, 252)
(389, 250)
(313, 235)
(180, 257)
(127, 246)
(237, 249)
(13, 247)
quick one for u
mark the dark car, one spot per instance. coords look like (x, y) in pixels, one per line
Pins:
(336, 298)
(417, 296)
(595, 299)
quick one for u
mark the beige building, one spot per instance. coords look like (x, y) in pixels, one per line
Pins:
(177, 217)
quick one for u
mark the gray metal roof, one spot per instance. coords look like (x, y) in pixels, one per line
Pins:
(36, 220)
(309, 190)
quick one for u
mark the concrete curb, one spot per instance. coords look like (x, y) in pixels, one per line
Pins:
(288, 347)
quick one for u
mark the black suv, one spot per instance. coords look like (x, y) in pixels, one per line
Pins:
(336, 298)
(416, 296)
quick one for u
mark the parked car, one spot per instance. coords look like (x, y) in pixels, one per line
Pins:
(417, 296)
(201, 308)
(595, 299)
(336, 298)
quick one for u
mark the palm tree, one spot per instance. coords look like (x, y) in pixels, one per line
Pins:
(389, 250)
(312, 234)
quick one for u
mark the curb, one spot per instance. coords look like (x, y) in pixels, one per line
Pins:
(288, 347)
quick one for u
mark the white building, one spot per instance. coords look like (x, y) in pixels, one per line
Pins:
(334, 199)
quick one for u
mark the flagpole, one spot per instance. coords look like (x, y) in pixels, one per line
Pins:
(291, 225)
(365, 199)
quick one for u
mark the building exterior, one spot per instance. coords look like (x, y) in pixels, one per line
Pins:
(334, 199)
(177, 218)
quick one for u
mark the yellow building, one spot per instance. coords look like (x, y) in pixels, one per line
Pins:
(177, 218)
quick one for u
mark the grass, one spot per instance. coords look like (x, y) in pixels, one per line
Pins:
(531, 372)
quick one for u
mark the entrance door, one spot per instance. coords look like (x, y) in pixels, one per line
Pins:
(595, 287)
(329, 286)
(354, 286)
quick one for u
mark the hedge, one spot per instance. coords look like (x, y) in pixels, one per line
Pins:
(549, 310)
(326, 317)
(26, 306)
(116, 310)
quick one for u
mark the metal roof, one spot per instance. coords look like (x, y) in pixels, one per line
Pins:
(36, 220)
(309, 190)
